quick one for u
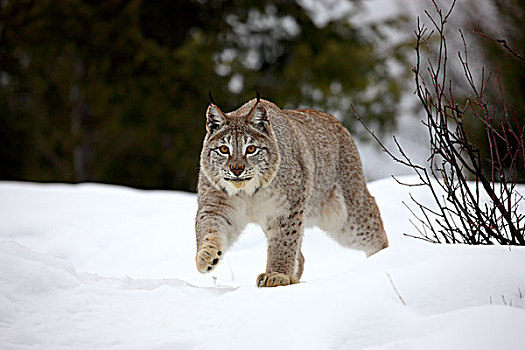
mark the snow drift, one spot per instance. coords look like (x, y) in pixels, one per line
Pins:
(96, 266)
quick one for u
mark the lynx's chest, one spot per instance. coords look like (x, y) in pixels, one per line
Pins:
(260, 207)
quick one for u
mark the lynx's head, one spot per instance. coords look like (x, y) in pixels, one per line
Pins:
(240, 152)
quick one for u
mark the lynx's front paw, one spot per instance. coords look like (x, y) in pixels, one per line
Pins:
(275, 279)
(209, 254)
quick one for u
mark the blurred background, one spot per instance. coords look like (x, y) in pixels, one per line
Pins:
(115, 91)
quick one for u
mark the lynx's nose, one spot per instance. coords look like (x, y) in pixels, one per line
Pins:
(237, 169)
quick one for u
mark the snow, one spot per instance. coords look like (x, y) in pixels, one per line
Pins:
(94, 266)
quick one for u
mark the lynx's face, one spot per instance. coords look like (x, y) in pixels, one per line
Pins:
(240, 151)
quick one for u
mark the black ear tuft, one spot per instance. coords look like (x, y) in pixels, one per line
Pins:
(215, 119)
(258, 95)
(211, 97)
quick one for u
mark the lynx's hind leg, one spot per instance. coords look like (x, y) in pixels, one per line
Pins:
(371, 233)
(354, 223)
(364, 227)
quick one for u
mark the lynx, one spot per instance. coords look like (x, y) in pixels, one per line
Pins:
(284, 170)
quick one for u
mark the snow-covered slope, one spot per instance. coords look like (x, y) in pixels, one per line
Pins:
(105, 267)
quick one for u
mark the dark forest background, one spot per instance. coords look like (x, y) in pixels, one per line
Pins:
(115, 91)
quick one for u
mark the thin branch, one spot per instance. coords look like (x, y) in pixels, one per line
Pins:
(395, 289)
(503, 43)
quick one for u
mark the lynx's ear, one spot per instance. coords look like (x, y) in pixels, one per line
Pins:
(258, 117)
(215, 119)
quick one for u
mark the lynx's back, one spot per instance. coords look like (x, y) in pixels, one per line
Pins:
(298, 168)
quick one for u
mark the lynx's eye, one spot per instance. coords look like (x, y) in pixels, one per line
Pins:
(251, 149)
(224, 149)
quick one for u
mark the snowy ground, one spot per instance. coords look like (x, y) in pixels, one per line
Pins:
(104, 267)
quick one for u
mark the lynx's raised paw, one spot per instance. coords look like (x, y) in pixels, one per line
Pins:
(275, 279)
(209, 254)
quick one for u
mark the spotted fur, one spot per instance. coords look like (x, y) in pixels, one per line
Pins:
(284, 170)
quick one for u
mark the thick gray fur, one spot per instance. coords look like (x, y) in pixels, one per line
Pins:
(305, 171)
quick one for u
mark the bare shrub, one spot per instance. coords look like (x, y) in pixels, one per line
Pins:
(472, 206)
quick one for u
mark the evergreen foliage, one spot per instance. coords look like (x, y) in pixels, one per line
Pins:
(115, 91)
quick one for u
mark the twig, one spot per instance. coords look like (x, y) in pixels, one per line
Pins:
(503, 43)
(395, 289)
